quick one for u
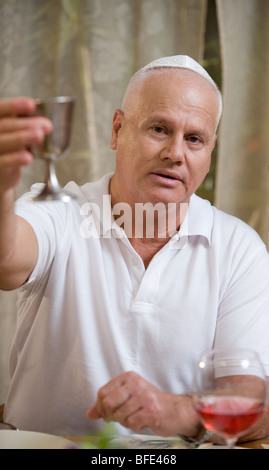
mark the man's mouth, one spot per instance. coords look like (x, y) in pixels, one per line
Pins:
(167, 175)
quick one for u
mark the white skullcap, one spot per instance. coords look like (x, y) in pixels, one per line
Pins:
(180, 61)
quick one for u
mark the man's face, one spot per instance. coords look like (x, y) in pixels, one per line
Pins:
(164, 139)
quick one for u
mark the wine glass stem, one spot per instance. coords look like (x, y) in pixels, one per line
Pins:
(52, 181)
(231, 442)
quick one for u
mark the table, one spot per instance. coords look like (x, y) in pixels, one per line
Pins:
(249, 445)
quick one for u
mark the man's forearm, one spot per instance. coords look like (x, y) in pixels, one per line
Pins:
(18, 245)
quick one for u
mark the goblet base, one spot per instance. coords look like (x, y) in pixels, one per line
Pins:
(47, 194)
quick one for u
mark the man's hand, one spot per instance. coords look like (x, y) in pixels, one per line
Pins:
(136, 404)
(19, 131)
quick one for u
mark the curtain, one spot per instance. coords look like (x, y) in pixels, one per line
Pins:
(243, 155)
(88, 49)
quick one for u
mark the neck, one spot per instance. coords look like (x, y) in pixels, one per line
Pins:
(148, 226)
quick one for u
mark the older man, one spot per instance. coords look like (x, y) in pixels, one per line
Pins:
(117, 321)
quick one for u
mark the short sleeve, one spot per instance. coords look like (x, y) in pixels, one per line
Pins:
(48, 222)
(243, 317)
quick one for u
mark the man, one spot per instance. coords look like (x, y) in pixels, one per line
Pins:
(113, 320)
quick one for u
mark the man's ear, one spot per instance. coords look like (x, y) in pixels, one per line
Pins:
(116, 126)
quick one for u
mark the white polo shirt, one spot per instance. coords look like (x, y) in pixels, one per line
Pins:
(91, 311)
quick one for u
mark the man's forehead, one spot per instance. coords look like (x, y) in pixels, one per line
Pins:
(173, 87)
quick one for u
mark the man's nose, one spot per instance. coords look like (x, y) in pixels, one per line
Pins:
(174, 149)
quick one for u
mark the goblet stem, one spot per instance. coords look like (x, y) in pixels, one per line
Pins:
(52, 181)
(52, 190)
(231, 442)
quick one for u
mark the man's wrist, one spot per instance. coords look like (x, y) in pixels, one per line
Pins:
(203, 436)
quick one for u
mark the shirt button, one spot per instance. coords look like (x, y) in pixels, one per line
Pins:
(135, 261)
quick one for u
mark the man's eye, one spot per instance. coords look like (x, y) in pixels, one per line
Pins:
(193, 139)
(158, 129)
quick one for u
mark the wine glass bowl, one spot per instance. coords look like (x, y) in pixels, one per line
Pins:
(230, 392)
(56, 144)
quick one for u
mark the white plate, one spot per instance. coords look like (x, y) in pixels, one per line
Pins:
(32, 440)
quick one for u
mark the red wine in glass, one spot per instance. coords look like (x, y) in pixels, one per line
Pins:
(229, 416)
(230, 392)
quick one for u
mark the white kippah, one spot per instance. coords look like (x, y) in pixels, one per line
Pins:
(180, 61)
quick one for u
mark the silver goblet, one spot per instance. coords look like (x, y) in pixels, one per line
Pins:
(55, 145)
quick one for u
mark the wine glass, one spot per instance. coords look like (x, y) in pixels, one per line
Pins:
(55, 145)
(230, 392)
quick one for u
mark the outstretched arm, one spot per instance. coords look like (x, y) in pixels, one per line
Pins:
(18, 132)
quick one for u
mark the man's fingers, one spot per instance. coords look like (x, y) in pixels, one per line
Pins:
(17, 107)
(20, 158)
(119, 399)
(11, 167)
(20, 131)
(20, 140)
(11, 124)
(109, 398)
(92, 413)
(16, 134)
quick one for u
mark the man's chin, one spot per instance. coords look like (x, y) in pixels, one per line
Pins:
(165, 197)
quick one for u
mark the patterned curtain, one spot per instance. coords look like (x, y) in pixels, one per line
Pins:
(242, 187)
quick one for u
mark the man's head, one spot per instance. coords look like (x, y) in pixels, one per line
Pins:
(165, 132)
(177, 62)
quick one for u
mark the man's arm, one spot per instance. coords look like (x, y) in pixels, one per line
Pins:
(137, 404)
(18, 133)
(259, 430)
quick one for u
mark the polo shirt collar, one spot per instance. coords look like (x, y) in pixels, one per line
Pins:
(199, 220)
